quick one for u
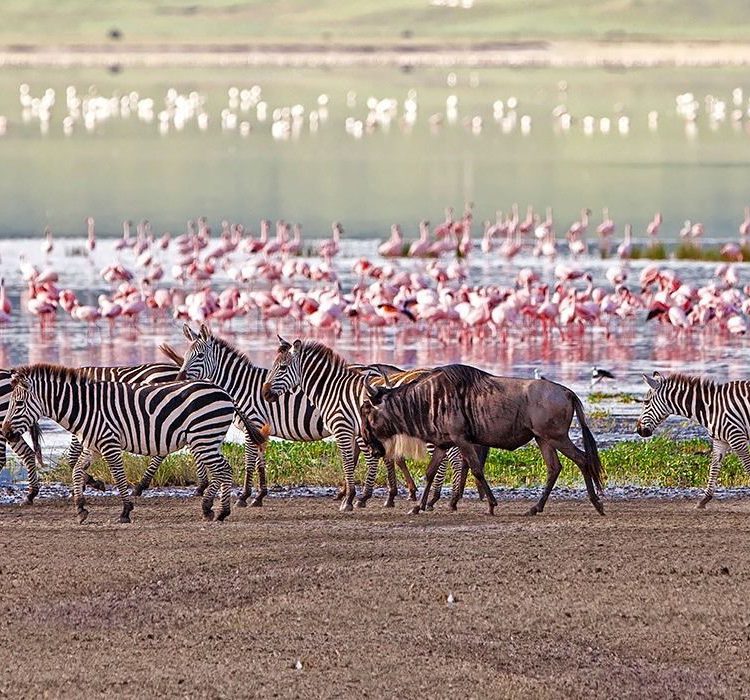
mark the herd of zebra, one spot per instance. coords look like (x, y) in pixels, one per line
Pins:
(312, 393)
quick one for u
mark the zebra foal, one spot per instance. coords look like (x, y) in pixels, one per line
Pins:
(722, 408)
(111, 417)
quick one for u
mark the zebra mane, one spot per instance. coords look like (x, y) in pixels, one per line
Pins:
(317, 349)
(690, 380)
(230, 347)
(51, 371)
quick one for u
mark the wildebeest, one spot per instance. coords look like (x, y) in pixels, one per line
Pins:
(462, 406)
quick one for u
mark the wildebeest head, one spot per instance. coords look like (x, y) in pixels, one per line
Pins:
(24, 410)
(655, 409)
(285, 374)
(374, 419)
(200, 358)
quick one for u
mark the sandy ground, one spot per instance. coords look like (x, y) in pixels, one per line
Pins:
(563, 53)
(649, 601)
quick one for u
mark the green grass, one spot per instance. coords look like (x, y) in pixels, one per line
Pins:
(364, 21)
(656, 462)
(619, 397)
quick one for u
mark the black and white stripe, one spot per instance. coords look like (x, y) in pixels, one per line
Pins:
(723, 409)
(338, 391)
(111, 417)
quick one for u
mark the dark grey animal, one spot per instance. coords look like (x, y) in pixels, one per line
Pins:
(462, 406)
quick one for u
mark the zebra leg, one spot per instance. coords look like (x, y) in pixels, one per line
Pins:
(432, 467)
(459, 484)
(554, 467)
(372, 463)
(348, 448)
(29, 461)
(408, 479)
(73, 455)
(113, 456)
(437, 487)
(211, 461)
(257, 502)
(718, 452)
(203, 481)
(79, 471)
(153, 466)
(251, 457)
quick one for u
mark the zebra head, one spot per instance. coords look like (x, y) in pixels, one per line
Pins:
(655, 406)
(200, 360)
(285, 374)
(25, 407)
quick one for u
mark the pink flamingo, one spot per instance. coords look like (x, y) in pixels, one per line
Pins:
(653, 226)
(90, 234)
(294, 247)
(329, 248)
(47, 244)
(394, 246)
(625, 249)
(745, 225)
(421, 247)
(125, 241)
(5, 306)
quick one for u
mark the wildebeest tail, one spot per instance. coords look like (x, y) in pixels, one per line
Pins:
(172, 354)
(593, 463)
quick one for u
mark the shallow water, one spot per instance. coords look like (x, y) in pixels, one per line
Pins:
(124, 167)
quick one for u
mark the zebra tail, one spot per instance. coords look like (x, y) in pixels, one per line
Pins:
(259, 436)
(172, 354)
(593, 462)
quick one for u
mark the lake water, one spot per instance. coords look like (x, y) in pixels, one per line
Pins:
(125, 167)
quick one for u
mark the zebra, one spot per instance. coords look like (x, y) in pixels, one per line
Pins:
(152, 373)
(293, 418)
(111, 417)
(338, 391)
(722, 408)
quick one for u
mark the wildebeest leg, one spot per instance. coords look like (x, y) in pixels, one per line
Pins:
(153, 466)
(432, 467)
(390, 469)
(470, 456)
(566, 446)
(554, 467)
(408, 480)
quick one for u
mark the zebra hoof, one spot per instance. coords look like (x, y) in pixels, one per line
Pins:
(256, 503)
(125, 519)
(453, 507)
(389, 504)
(361, 503)
(208, 514)
(416, 510)
(532, 511)
(223, 514)
(241, 502)
(429, 507)
(98, 485)
(413, 496)
(137, 490)
(346, 507)
(82, 515)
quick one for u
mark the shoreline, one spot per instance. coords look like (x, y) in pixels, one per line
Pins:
(526, 54)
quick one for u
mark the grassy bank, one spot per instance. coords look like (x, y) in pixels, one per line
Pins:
(382, 23)
(656, 462)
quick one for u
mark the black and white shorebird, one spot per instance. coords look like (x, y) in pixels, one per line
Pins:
(597, 374)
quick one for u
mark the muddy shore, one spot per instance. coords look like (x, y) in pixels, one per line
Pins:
(297, 600)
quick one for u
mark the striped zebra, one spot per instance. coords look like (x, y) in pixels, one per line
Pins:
(338, 391)
(292, 418)
(722, 408)
(111, 417)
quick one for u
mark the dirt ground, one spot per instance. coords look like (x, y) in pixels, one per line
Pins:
(649, 601)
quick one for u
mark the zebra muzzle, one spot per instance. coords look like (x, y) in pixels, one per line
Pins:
(643, 431)
(9, 433)
(268, 394)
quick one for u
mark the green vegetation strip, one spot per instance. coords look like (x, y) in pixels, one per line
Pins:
(655, 462)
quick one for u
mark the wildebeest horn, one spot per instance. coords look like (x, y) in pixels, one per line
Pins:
(386, 378)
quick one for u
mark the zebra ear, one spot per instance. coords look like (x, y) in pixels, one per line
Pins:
(189, 333)
(204, 331)
(297, 345)
(283, 344)
(654, 381)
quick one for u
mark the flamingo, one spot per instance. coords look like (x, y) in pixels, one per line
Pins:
(90, 235)
(47, 244)
(745, 225)
(394, 246)
(625, 249)
(421, 247)
(5, 306)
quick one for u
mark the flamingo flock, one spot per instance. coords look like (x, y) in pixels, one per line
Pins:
(425, 285)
